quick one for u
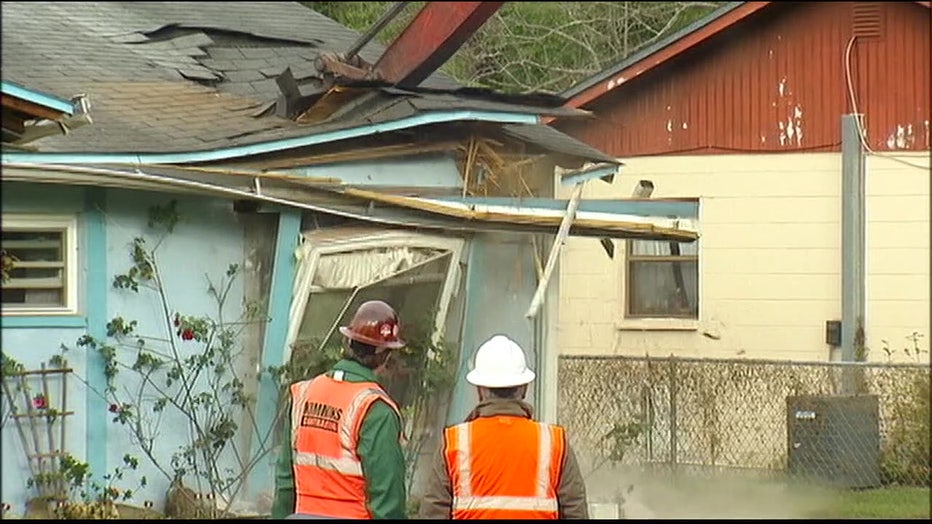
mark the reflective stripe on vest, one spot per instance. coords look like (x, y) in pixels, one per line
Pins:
(345, 465)
(506, 503)
(544, 498)
(327, 470)
(348, 463)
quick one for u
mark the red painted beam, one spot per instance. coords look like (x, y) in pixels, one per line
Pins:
(435, 34)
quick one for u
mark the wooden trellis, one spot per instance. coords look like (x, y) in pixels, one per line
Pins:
(41, 424)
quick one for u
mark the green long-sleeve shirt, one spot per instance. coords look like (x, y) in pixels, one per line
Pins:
(379, 449)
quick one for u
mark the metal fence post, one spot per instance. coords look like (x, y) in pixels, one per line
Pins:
(673, 413)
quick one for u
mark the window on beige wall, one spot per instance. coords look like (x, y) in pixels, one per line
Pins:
(662, 280)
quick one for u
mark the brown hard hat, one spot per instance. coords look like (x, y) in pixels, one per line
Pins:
(376, 324)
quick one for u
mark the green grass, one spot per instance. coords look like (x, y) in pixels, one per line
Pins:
(884, 503)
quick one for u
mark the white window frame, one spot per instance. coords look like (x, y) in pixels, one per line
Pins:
(625, 323)
(69, 225)
(309, 255)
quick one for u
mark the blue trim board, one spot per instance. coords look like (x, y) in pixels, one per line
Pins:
(43, 321)
(284, 269)
(268, 147)
(95, 225)
(606, 173)
(37, 97)
(641, 207)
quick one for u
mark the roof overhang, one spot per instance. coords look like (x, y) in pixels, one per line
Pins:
(327, 196)
(35, 104)
(29, 115)
(660, 53)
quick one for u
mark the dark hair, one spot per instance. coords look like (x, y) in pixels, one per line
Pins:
(365, 354)
(506, 393)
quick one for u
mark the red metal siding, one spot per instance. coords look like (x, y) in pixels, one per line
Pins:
(777, 82)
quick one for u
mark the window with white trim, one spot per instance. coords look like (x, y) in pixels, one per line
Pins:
(39, 264)
(661, 280)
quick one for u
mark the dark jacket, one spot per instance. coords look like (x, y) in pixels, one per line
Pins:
(571, 492)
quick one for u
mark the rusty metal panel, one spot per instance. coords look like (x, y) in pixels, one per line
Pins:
(779, 82)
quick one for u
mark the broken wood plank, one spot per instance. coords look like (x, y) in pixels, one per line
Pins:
(38, 414)
(50, 371)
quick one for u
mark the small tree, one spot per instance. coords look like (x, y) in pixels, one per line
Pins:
(187, 368)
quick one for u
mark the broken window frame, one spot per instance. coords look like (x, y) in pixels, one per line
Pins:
(313, 250)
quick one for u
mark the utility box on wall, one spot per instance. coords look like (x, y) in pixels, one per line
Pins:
(834, 439)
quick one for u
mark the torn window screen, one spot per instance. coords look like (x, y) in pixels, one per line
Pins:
(361, 268)
(337, 264)
(411, 280)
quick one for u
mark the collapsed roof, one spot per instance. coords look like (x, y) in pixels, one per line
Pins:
(171, 77)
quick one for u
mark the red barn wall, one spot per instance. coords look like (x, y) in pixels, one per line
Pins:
(776, 82)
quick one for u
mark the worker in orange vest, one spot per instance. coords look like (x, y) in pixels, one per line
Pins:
(342, 454)
(500, 463)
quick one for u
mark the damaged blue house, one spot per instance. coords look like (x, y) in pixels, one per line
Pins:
(287, 177)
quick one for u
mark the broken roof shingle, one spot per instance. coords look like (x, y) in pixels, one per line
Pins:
(129, 38)
(167, 77)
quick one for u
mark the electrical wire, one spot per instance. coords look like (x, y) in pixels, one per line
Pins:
(854, 108)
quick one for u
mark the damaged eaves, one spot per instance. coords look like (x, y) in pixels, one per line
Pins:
(197, 82)
(367, 206)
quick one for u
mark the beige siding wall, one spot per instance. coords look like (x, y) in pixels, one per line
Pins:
(770, 259)
(898, 254)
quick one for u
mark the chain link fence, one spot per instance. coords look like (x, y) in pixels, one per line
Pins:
(853, 425)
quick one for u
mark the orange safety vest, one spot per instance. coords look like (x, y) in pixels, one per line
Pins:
(326, 416)
(504, 467)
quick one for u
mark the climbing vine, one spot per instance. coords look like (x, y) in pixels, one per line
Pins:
(186, 369)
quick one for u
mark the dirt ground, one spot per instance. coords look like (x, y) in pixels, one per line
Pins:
(701, 497)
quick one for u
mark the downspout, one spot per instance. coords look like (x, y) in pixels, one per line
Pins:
(852, 248)
(558, 242)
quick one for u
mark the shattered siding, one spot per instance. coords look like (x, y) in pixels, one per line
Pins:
(777, 82)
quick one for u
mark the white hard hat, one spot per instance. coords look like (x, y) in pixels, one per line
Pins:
(500, 363)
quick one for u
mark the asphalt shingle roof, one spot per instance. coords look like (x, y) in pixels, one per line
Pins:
(191, 76)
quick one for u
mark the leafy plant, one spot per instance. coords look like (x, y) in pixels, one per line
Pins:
(539, 46)
(906, 457)
(621, 437)
(188, 370)
(7, 264)
(87, 498)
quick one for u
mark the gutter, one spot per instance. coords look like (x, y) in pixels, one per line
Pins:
(269, 147)
(626, 226)
(141, 177)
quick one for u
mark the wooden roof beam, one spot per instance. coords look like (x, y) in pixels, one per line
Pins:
(435, 34)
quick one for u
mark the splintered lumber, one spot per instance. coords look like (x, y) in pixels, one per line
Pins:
(637, 227)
